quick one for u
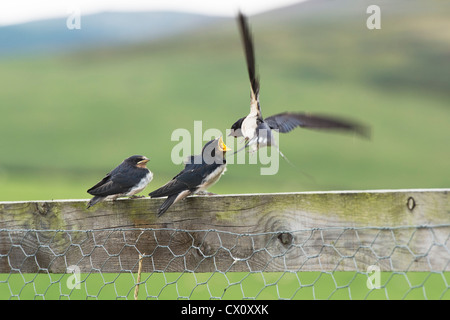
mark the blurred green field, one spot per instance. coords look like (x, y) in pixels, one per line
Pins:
(68, 119)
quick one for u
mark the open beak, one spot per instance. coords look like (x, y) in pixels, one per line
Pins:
(222, 145)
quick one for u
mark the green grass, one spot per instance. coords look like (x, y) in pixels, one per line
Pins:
(234, 285)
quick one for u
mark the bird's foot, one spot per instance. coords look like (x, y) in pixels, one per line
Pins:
(206, 193)
(136, 197)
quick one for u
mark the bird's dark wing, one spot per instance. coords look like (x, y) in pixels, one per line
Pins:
(120, 180)
(107, 188)
(106, 180)
(189, 179)
(181, 186)
(172, 187)
(287, 121)
(250, 58)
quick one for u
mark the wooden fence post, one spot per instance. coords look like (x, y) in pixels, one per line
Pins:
(305, 231)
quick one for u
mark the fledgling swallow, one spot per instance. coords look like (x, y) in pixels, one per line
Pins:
(127, 179)
(200, 172)
(256, 130)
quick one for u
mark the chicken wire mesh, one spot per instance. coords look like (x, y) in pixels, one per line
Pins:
(409, 262)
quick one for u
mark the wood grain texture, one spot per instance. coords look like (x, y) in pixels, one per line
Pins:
(310, 231)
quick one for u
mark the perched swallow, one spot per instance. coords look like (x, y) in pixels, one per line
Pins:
(126, 180)
(256, 130)
(200, 172)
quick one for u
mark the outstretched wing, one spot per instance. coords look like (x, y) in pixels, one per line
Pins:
(288, 121)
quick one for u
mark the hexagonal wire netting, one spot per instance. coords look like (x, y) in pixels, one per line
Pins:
(410, 262)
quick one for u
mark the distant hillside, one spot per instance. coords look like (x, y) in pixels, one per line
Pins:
(411, 50)
(109, 28)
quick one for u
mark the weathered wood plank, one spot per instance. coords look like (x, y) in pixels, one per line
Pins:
(306, 231)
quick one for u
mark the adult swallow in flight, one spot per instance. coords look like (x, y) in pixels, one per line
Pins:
(256, 130)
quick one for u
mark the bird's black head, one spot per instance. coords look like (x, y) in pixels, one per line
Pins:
(214, 151)
(137, 161)
(236, 128)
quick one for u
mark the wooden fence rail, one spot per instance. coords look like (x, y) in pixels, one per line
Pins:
(405, 230)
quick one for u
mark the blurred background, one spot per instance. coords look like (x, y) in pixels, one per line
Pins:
(76, 102)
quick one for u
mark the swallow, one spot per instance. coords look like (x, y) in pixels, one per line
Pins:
(200, 172)
(256, 130)
(127, 179)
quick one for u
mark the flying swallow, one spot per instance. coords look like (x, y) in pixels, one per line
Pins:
(200, 172)
(256, 130)
(126, 180)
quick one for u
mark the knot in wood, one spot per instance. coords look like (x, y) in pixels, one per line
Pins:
(411, 203)
(42, 208)
(286, 238)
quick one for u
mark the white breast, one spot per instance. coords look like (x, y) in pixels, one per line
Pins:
(212, 178)
(141, 185)
(248, 126)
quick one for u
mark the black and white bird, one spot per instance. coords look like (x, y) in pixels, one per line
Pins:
(256, 130)
(126, 180)
(200, 172)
